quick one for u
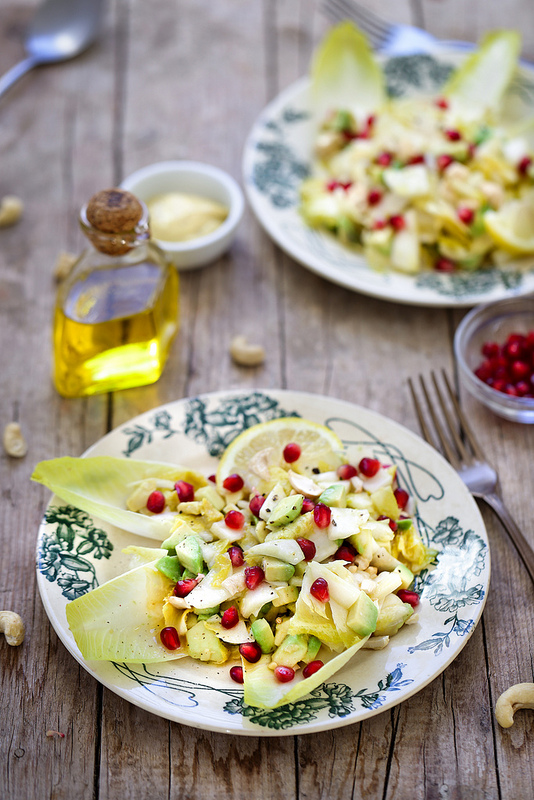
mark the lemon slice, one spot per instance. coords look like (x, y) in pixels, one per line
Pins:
(512, 227)
(320, 449)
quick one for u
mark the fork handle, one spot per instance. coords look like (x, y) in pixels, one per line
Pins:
(512, 529)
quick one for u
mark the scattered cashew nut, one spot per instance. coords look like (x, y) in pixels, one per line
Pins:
(12, 626)
(64, 264)
(521, 695)
(14, 442)
(246, 354)
(11, 209)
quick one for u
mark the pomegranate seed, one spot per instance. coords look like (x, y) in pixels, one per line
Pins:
(253, 577)
(522, 388)
(499, 385)
(524, 165)
(308, 548)
(236, 674)
(397, 222)
(156, 502)
(291, 452)
(369, 466)
(185, 491)
(169, 638)
(402, 497)
(311, 668)
(418, 159)
(392, 524)
(529, 340)
(491, 349)
(384, 159)
(441, 102)
(183, 588)
(444, 265)
(513, 349)
(443, 161)
(233, 483)
(379, 224)
(307, 505)
(212, 478)
(256, 503)
(408, 597)
(284, 674)
(235, 520)
(374, 197)
(322, 515)
(510, 390)
(519, 370)
(345, 553)
(251, 651)
(466, 215)
(230, 617)
(346, 472)
(371, 119)
(453, 135)
(236, 555)
(332, 185)
(319, 590)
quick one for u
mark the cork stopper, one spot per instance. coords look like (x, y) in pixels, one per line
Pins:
(114, 211)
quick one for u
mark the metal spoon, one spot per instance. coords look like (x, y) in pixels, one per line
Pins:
(60, 29)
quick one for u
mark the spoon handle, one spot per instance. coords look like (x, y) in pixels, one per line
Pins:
(16, 72)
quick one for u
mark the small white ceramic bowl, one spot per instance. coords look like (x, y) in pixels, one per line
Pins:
(192, 177)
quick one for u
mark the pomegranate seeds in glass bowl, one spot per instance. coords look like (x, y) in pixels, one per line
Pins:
(494, 349)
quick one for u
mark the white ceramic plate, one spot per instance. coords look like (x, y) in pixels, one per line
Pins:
(278, 155)
(76, 552)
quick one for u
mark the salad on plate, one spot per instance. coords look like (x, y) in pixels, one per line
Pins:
(440, 183)
(279, 567)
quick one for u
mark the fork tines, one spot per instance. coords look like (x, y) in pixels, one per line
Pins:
(377, 29)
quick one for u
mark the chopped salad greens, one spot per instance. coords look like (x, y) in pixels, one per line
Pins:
(281, 576)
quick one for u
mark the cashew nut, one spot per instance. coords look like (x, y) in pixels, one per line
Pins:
(246, 354)
(303, 485)
(10, 210)
(521, 695)
(64, 264)
(14, 442)
(12, 626)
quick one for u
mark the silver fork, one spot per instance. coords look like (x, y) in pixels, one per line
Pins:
(386, 37)
(462, 450)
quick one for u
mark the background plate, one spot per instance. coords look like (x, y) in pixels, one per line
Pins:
(76, 553)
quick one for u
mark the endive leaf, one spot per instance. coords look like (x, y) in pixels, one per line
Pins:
(101, 486)
(345, 74)
(479, 84)
(121, 619)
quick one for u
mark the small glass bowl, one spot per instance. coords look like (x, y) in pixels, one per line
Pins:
(493, 323)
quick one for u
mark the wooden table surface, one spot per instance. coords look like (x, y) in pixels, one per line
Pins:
(177, 79)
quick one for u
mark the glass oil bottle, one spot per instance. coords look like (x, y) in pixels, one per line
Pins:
(117, 312)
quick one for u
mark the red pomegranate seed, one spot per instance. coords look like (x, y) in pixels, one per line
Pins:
(397, 222)
(256, 503)
(307, 505)
(235, 520)
(292, 452)
(369, 466)
(169, 638)
(444, 265)
(402, 497)
(156, 502)
(441, 102)
(253, 577)
(384, 159)
(308, 548)
(379, 224)
(443, 161)
(466, 215)
(418, 159)
(284, 674)
(491, 349)
(499, 385)
(522, 388)
(346, 472)
(233, 483)
(236, 674)
(392, 524)
(236, 555)
(513, 349)
(332, 185)
(319, 590)
(212, 478)
(183, 588)
(230, 617)
(345, 553)
(408, 597)
(453, 135)
(185, 491)
(510, 390)
(519, 370)
(251, 651)
(374, 197)
(524, 165)
(311, 668)
(322, 515)
(529, 340)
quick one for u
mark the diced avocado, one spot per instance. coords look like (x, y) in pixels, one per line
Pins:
(284, 595)
(276, 570)
(181, 530)
(404, 524)
(274, 496)
(392, 616)
(335, 495)
(405, 573)
(171, 567)
(287, 550)
(292, 650)
(362, 615)
(211, 494)
(286, 510)
(360, 500)
(190, 554)
(385, 503)
(188, 574)
(263, 634)
(364, 543)
(204, 645)
(314, 645)
(206, 613)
